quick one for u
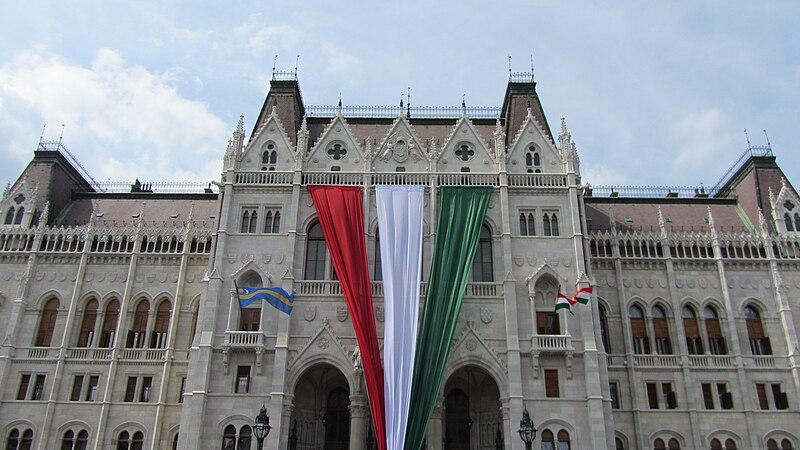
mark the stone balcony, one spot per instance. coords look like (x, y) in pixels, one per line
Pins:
(700, 362)
(551, 344)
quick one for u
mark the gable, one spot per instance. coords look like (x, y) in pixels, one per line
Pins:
(336, 147)
(533, 152)
(401, 150)
(465, 151)
(270, 148)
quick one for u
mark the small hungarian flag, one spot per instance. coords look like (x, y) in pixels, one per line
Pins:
(564, 302)
(582, 295)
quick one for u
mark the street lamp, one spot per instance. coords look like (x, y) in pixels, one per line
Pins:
(262, 427)
(527, 432)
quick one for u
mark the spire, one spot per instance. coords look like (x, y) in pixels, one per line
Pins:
(662, 224)
(564, 137)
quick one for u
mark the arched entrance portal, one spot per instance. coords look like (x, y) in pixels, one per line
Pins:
(472, 415)
(321, 415)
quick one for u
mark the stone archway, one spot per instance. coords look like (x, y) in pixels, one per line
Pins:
(321, 414)
(472, 416)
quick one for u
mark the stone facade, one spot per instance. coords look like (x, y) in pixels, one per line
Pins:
(122, 329)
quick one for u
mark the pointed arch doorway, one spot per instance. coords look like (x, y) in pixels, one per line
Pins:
(321, 414)
(472, 414)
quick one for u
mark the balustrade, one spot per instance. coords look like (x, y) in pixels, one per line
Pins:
(552, 342)
(143, 354)
(712, 361)
(244, 339)
(657, 360)
(537, 180)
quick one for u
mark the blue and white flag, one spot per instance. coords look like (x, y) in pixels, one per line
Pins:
(275, 296)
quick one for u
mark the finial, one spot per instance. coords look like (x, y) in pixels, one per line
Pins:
(41, 137)
(563, 125)
(274, 61)
(401, 102)
(62, 133)
(747, 137)
(532, 77)
(296, 63)
(240, 125)
(339, 105)
(463, 105)
(769, 146)
(710, 217)
(509, 67)
(408, 102)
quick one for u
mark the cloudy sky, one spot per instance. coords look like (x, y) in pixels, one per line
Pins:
(653, 92)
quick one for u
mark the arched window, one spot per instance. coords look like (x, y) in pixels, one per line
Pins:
(548, 441)
(82, 441)
(527, 224)
(86, 335)
(12, 443)
(47, 323)
(124, 441)
(787, 220)
(563, 440)
(547, 230)
(110, 323)
(786, 445)
(136, 335)
(18, 217)
(674, 444)
(661, 330)
(253, 221)
(730, 444)
(528, 159)
(641, 344)
(482, 268)
(618, 444)
(604, 329)
(229, 438)
(716, 445)
(759, 342)
(68, 441)
(175, 442)
(536, 160)
(694, 343)
(137, 443)
(716, 342)
(272, 222)
(10, 216)
(160, 329)
(772, 445)
(245, 437)
(245, 221)
(316, 253)
(658, 444)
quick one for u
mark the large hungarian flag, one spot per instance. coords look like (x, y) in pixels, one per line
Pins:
(459, 220)
(342, 219)
(400, 213)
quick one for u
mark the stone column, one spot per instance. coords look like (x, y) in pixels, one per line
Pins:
(435, 434)
(359, 414)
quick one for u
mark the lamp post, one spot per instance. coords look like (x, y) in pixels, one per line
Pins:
(262, 428)
(527, 432)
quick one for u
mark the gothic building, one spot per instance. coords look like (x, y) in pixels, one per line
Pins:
(121, 327)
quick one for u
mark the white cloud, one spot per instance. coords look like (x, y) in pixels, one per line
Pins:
(702, 139)
(271, 38)
(602, 175)
(122, 121)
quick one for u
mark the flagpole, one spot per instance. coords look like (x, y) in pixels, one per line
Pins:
(238, 300)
